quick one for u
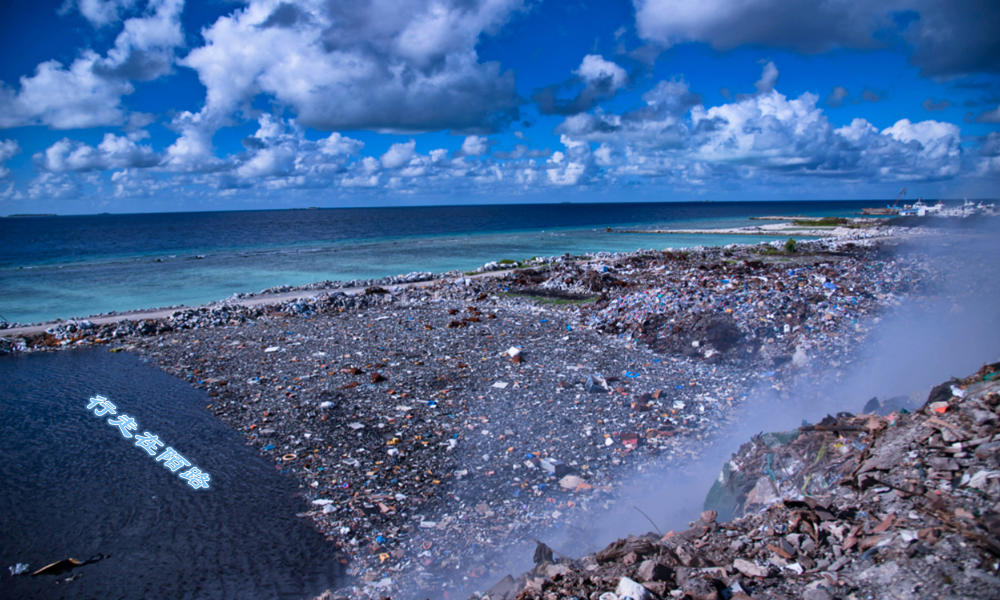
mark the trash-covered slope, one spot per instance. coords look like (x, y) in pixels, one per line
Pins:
(905, 505)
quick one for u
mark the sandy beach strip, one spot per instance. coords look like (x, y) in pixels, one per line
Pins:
(269, 298)
(247, 300)
(853, 228)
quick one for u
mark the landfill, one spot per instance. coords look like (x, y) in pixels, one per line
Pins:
(901, 505)
(434, 423)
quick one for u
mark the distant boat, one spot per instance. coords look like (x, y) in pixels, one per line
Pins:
(888, 210)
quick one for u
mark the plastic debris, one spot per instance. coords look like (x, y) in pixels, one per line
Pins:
(465, 422)
(892, 517)
(67, 564)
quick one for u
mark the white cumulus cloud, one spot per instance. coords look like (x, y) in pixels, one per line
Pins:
(64, 98)
(398, 154)
(339, 145)
(599, 78)
(192, 150)
(764, 135)
(114, 152)
(935, 146)
(475, 145)
(144, 49)
(280, 150)
(408, 65)
(50, 186)
(403, 66)
(594, 69)
(88, 92)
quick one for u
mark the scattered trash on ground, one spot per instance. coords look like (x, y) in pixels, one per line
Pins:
(903, 505)
(432, 428)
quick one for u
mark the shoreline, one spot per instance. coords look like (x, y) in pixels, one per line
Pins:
(263, 298)
(853, 228)
(419, 421)
(435, 428)
(269, 298)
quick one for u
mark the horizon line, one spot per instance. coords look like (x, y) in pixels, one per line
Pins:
(461, 205)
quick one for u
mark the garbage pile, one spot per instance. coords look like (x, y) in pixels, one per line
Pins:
(434, 427)
(784, 307)
(755, 308)
(905, 505)
(426, 437)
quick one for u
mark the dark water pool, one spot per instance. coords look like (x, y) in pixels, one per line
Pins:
(72, 486)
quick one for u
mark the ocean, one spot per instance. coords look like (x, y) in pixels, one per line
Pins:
(75, 266)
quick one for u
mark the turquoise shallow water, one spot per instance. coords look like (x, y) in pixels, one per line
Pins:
(62, 267)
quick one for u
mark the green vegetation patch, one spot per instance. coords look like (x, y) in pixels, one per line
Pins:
(822, 222)
(789, 247)
(520, 264)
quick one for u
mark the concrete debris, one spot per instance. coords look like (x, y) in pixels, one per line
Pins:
(897, 512)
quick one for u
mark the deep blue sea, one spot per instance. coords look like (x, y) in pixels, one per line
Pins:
(75, 266)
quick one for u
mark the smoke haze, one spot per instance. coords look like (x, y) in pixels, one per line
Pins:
(946, 326)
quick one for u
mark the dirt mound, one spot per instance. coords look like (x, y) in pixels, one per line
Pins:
(706, 334)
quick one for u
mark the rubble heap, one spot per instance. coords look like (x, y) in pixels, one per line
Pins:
(434, 429)
(905, 505)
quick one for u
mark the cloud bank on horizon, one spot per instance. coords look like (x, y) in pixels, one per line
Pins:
(133, 105)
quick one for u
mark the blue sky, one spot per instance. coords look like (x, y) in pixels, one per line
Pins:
(134, 106)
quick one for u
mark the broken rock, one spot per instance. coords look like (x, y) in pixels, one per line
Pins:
(628, 588)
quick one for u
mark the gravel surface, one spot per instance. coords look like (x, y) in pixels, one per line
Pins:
(434, 428)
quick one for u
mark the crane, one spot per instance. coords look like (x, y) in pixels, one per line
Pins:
(895, 203)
